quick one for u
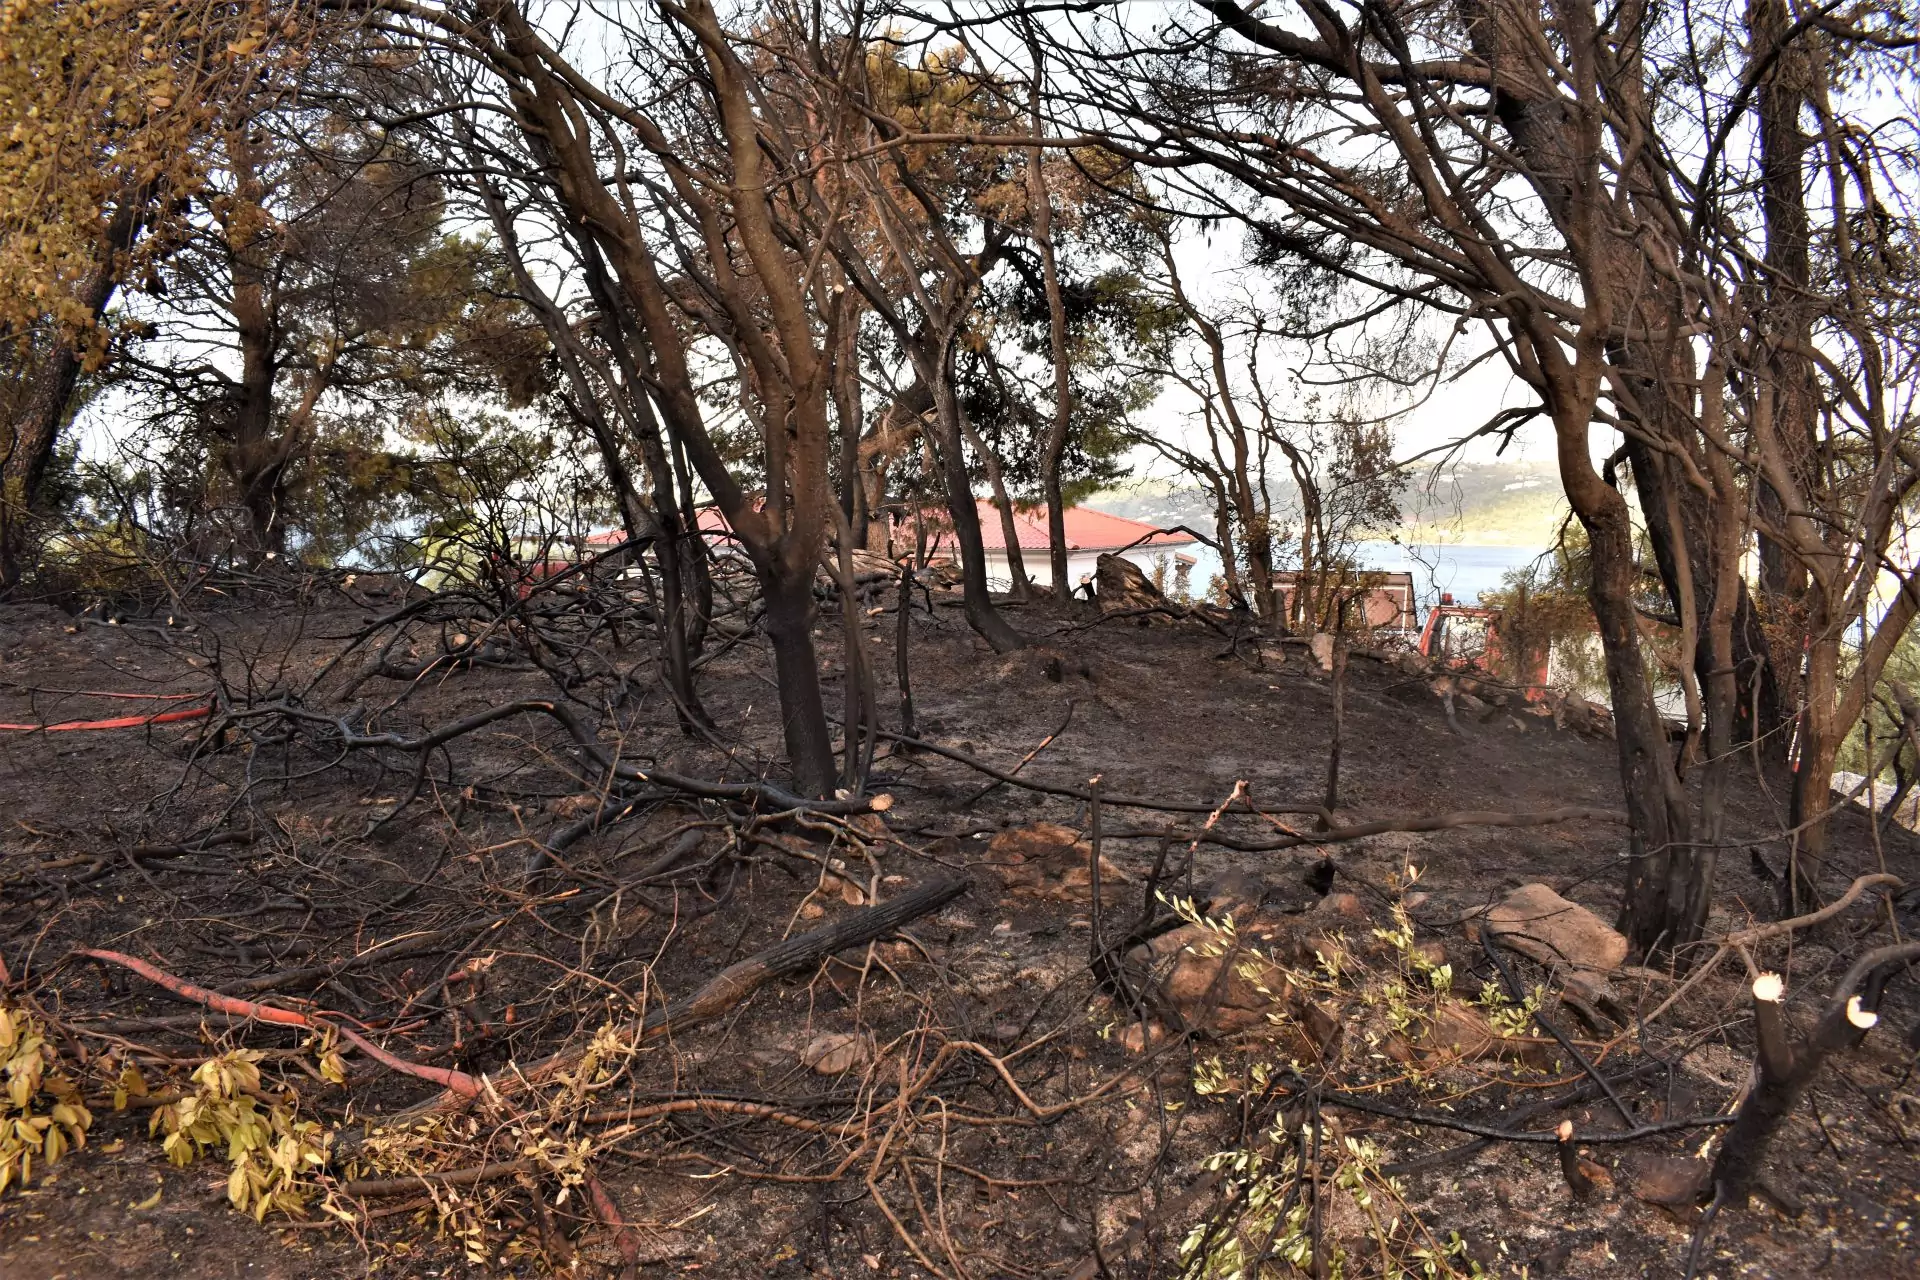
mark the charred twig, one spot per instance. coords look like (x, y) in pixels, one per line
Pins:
(1025, 760)
(1490, 943)
(1579, 1181)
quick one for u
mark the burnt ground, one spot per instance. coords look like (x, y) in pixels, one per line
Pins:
(313, 903)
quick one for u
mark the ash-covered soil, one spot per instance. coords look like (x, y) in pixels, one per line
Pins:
(966, 1097)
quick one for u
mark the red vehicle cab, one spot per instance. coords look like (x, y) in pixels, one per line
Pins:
(1461, 633)
(1466, 635)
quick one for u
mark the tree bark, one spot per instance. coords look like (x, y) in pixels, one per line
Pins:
(1018, 585)
(979, 607)
(1652, 915)
(1040, 204)
(790, 614)
(43, 393)
(1789, 381)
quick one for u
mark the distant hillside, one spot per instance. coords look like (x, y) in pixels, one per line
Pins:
(1483, 504)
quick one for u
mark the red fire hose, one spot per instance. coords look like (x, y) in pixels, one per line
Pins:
(123, 722)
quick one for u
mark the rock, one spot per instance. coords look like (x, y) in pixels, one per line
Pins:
(833, 1052)
(1542, 925)
(839, 881)
(1461, 1032)
(1121, 585)
(1050, 861)
(1323, 1029)
(1235, 893)
(1673, 1181)
(1186, 967)
(1341, 906)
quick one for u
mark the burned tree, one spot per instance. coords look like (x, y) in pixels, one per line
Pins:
(1536, 201)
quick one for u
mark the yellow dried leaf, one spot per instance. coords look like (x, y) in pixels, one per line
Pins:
(237, 1186)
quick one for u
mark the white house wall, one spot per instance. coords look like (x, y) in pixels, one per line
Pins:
(1080, 566)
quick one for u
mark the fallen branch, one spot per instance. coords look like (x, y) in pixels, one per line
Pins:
(1436, 1120)
(589, 746)
(1587, 1091)
(369, 1188)
(1081, 793)
(1025, 760)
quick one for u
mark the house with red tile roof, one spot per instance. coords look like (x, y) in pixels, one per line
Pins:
(1090, 534)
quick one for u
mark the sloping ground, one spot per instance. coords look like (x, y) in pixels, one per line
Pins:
(964, 1098)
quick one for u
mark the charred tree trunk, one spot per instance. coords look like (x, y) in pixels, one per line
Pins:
(849, 414)
(902, 665)
(785, 534)
(1788, 387)
(980, 610)
(251, 450)
(44, 379)
(1782, 1075)
(1051, 453)
(1653, 917)
(1018, 585)
(44, 383)
(661, 526)
(1661, 906)
(1816, 745)
(790, 614)
(255, 459)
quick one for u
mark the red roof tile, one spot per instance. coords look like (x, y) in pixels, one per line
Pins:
(1087, 530)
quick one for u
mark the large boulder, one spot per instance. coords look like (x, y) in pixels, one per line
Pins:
(1121, 585)
(1563, 935)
